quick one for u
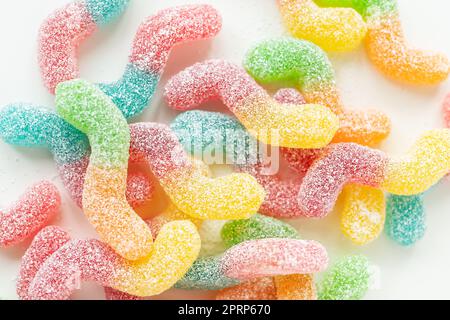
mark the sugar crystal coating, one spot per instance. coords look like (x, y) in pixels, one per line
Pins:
(255, 259)
(363, 213)
(175, 249)
(104, 196)
(255, 289)
(46, 242)
(405, 219)
(235, 196)
(257, 227)
(105, 11)
(29, 214)
(347, 279)
(333, 29)
(425, 163)
(271, 257)
(302, 64)
(155, 38)
(295, 287)
(203, 133)
(386, 45)
(308, 126)
(59, 37)
(341, 164)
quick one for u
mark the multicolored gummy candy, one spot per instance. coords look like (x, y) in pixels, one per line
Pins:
(63, 32)
(427, 162)
(308, 126)
(89, 110)
(235, 196)
(45, 244)
(387, 48)
(34, 210)
(333, 29)
(347, 279)
(174, 251)
(60, 34)
(255, 259)
(32, 126)
(299, 63)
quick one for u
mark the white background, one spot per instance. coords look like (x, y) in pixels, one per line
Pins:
(420, 272)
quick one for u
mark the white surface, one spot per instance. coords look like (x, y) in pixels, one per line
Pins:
(420, 272)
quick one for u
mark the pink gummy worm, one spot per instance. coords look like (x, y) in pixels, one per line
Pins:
(77, 260)
(341, 164)
(46, 242)
(271, 257)
(35, 208)
(59, 37)
(158, 34)
(139, 187)
(209, 80)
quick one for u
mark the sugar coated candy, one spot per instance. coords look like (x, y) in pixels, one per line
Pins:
(333, 29)
(347, 279)
(363, 213)
(29, 214)
(255, 259)
(387, 48)
(234, 196)
(46, 242)
(299, 63)
(65, 29)
(63, 32)
(308, 126)
(175, 249)
(405, 219)
(88, 109)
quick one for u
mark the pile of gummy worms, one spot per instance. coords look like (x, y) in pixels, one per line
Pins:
(220, 233)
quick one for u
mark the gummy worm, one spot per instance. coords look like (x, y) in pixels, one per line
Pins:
(333, 29)
(175, 249)
(209, 273)
(308, 126)
(235, 196)
(62, 32)
(363, 214)
(283, 287)
(30, 126)
(255, 259)
(89, 110)
(153, 43)
(34, 209)
(46, 242)
(304, 65)
(65, 29)
(387, 48)
(420, 168)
